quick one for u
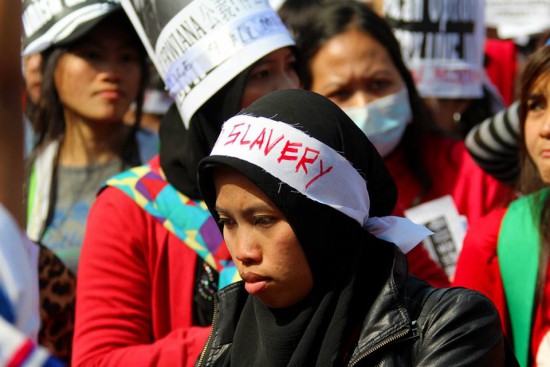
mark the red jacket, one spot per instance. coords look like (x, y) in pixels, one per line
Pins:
(134, 303)
(478, 269)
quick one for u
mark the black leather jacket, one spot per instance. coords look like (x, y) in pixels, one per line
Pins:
(410, 324)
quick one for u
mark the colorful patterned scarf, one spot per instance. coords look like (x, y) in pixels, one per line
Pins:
(187, 219)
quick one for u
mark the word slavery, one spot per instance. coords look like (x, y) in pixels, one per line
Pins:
(264, 142)
(435, 29)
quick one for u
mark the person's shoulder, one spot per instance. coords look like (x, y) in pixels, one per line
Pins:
(486, 228)
(426, 298)
(124, 184)
(480, 243)
(461, 307)
(458, 300)
(433, 307)
(116, 204)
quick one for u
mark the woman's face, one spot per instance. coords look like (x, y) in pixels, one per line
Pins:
(33, 76)
(99, 77)
(262, 244)
(537, 126)
(273, 72)
(352, 69)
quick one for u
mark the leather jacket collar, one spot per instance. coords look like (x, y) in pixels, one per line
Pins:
(387, 322)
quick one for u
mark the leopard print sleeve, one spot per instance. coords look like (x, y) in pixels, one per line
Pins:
(57, 305)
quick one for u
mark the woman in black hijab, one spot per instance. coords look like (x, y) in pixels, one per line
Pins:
(303, 200)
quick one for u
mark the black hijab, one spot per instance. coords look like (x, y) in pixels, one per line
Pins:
(182, 148)
(348, 264)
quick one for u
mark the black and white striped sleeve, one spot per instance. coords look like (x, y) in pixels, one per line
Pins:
(493, 144)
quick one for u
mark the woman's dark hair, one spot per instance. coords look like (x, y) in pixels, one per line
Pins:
(478, 110)
(530, 181)
(48, 118)
(337, 16)
(294, 13)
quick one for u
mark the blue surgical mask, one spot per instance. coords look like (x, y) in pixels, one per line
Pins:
(384, 121)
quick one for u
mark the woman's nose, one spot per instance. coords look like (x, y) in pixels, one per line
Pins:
(358, 99)
(112, 69)
(545, 128)
(246, 250)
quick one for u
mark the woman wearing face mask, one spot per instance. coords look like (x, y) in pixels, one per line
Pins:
(151, 239)
(350, 55)
(286, 178)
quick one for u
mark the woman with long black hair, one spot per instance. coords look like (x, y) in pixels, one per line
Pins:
(90, 79)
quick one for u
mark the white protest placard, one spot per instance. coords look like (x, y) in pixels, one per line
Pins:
(449, 227)
(198, 46)
(518, 19)
(442, 42)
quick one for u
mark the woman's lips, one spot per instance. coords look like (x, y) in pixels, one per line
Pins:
(254, 283)
(256, 287)
(111, 94)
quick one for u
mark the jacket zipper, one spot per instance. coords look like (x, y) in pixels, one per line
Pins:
(383, 343)
(373, 349)
(206, 346)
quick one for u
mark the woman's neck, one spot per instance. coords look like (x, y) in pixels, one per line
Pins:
(90, 142)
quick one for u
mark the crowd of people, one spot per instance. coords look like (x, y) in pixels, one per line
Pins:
(266, 212)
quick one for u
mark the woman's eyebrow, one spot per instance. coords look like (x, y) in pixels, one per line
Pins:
(255, 209)
(251, 210)
(534, 96)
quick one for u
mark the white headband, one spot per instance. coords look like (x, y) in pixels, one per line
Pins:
(315, 170)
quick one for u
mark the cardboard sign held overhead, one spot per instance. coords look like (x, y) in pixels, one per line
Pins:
(442, 43)
(199, 46)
